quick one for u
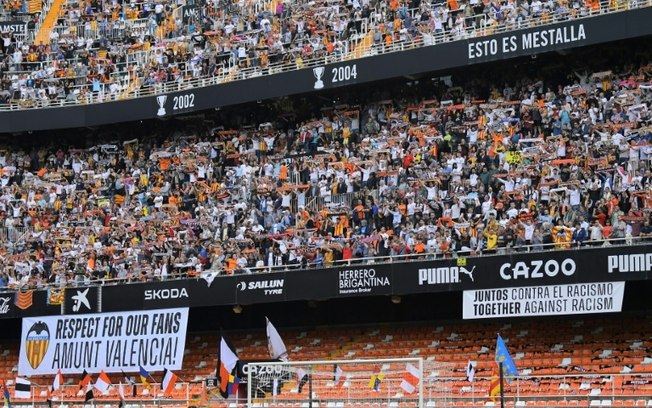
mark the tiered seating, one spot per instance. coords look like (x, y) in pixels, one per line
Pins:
(567, 363)
(254, 38)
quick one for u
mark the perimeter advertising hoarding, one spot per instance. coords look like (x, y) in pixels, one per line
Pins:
(109, 342)
(519, 269)
(529, 41)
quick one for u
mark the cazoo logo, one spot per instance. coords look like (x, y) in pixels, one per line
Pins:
(256, 370)
(268, 286)
(537, 269)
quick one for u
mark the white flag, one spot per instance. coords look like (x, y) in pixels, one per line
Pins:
(275, 343)
(209, 276)
(23, 388)
(58, 381)
(103, 383)
(470, 371)
(338, 377)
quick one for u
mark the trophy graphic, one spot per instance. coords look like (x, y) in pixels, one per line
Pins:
(161, 99)
(318, 73)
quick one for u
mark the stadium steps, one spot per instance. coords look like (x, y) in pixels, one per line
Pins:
(49, 21)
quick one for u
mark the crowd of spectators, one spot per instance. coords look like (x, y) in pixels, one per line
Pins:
(102, 50)
(532, 165)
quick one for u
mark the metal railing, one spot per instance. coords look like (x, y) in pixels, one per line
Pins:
(595, 389)
(15, 234)
(349, 50)
(179, 271)
(111, 30)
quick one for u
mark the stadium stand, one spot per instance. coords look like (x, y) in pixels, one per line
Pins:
(600, 366)
(93, 52)
(451, 171)
(527, 169)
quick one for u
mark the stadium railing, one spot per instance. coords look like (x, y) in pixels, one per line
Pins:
(588, 390)
(14, 234)
(411, 257)
(230, 72)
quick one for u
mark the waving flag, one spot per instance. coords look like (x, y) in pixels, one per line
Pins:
(302, 379)
(376, 379)
(85, 380)
(131, 382)
(121, 393)
(89, 392)
(410, 379)
(338, 376)
(144, 376)
(502, 356)
(58, 381)
(470, 371)
(209, 276)
(23, 388)
(494, 385)
(234, 382)
(275, 344)
(226, 367)
(103, 383)
(168, 382)
(5, 393)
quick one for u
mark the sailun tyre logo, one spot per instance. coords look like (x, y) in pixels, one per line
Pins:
(268, 286)
(37, 342)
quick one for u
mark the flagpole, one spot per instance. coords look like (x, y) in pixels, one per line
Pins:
(502, 393)
(421, 383)
(310, 389)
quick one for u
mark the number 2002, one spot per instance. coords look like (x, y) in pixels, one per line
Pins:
(184, 101)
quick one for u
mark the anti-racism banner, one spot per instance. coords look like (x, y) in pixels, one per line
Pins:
(581, 298)
(111, 342)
